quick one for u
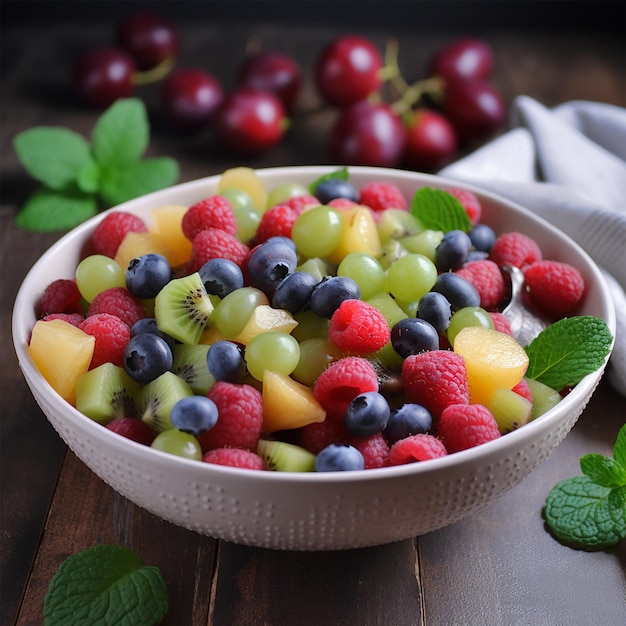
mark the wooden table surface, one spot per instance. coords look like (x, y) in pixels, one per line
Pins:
(498, 566)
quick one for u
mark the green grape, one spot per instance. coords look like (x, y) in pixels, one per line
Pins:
(179, 443)
(235, 309)
(468, 316)
(410, 308)
(246, 216)
(388, 307)
(365, 270)
(316, 354)
(283, 192)
(318, 267)
(410, 277)
(238, 198)
(274, 351)
(423, 243)
(317, 231)
(96, 273)
(310, 325)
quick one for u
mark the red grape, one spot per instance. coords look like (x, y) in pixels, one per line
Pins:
(367, 134)
(463, 58)
(430, 141)
(274, 72)
(149, 38)
(249, 121)
(348, 71)
(190, 97)
(103, 75)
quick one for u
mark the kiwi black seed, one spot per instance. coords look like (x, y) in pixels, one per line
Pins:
(285, 457)
(156, 399)
(190, 364)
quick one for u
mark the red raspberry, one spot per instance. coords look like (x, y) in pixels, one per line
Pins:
(299, 203)
(110, 232)
(416, 448)
(342, 381)
(469, 201)
(111, 334)
(212, 212)
(120, 302)
(515, 249)
(358, 327)
(488, 280)
(75, 319)
(381, 196)
(374, 449)
(133, 428)
(523, 389)
(240, 410)
(556, 289)
(234, 457)
(60, 296)
(342, 204)
(464, 426)
(435, 379)
(316, 436)
(214, 243)
(501, 323)
(276, 222)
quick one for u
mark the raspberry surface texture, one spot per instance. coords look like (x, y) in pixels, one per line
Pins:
(501, 323)
(75, 319)
(381, 196)
(415, 448)
(214, 243)
(358, 327)
(212, 212)
(515, 249)
(111, 335)
(316, 436)
(60, 296)
(488, 280)
(375, 450)
(234, 457)
(120, 302)
(110, 232)
(463, 426)
(276, 222)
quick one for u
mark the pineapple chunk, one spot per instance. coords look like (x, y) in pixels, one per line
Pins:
(360, 235)
(264, 318)
(245, 179)
(136, 244)
(166, 222)
(55, 338)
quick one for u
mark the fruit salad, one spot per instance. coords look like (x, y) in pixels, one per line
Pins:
(310, 328)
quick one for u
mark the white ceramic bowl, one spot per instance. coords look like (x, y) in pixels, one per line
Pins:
(310, 511)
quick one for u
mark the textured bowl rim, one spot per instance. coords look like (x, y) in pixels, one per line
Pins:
(24, 302)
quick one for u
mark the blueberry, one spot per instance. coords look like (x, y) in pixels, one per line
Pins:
(293, 293)
(458, 291)
(147, 275)
(406, 420)
(339, 458)
(146, 357)
(269, 263)
(413, 335)
(482, 237)
(225, 361)
(149, 325)
(435, 309)
(367, 414)
(333, 188)
(221, 276)
(452, 251)
(330, 292)
(194, 414)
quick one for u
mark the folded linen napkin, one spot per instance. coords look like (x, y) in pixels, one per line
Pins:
(567, 165)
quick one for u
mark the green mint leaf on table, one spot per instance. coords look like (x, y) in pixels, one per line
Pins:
(52, 156)
(106, 584)
(589, 511)
(341, 174)
(566, 351)
(436, 209)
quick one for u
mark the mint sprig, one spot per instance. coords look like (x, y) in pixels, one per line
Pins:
(436, 209)
(80, 177)
(566, 351)
(589, 511)
(106, 584)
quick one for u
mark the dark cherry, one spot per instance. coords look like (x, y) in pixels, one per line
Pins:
(249, 121)
(103, 75)
(431, 141)
(190, 97)
(474, 108)
(348, 70)
(149, 38)
(464, 58)
(367, 134)
(274, 72)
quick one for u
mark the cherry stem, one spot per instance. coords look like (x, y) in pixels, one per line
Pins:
(155, 74)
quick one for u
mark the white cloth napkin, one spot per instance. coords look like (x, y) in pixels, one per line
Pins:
(568, 165)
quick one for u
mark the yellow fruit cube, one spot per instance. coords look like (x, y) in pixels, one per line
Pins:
(287, 403)
(136, 244)
(166, 222)
(360, 234)
(493, 360)
(49, 341)
(263, 319)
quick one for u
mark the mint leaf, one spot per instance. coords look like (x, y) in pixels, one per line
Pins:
(603, 470)
(584, 514)
(341, 174)
(51, 155)
(121, 134)
(436, 209)
(105, 584)
(135, 179)
(48, 210)
(566, 351)
(88, 179)
(619, 450)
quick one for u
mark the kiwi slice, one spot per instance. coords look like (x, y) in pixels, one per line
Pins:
(156, 399)
(182, 308)
(509, 409)
(105, 393)
(190, 365)
(544, 397)
(285, 457)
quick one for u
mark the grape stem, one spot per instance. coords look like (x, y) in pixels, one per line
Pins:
(155, 74)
